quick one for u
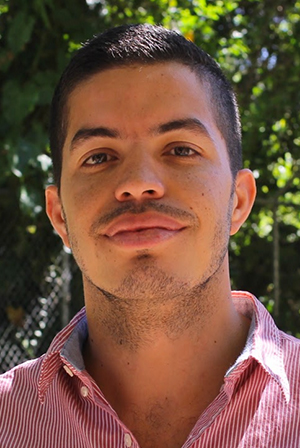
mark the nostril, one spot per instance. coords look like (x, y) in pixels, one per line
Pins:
(126, 194)
(139, 189)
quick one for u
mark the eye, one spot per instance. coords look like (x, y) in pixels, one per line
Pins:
(183, 151)
(98, 159)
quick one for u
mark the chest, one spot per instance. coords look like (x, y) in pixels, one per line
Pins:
(158, 429)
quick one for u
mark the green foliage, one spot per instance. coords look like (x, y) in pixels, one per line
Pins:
(258, 45)
(20, 31)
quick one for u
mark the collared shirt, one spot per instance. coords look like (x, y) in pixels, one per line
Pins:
(53, 402)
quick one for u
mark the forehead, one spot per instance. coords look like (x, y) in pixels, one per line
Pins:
(145, 93)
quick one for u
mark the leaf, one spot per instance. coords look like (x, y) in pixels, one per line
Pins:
(20, 31)
(15, 315)
(18, 101)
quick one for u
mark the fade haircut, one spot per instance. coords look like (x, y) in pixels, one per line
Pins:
(145, 44)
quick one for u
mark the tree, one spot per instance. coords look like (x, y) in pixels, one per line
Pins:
(257, 44)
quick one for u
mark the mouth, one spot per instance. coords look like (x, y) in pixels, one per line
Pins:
(142, 231)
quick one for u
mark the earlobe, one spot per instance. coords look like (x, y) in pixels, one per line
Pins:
(54, 211)
(244, 196)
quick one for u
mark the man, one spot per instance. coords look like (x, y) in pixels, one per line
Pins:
(145, 139)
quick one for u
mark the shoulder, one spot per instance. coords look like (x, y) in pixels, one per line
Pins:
(22, 378)
(19, 404)
(290, 350)
(20, 407)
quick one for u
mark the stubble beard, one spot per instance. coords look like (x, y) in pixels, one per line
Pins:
(150, 301)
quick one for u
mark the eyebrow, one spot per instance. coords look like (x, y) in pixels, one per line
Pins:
(190, 124)
(88, 133)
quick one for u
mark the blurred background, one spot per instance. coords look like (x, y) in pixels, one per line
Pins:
(257, 44)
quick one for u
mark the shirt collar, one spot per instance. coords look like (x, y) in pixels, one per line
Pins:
(65, 349)
(263, 344)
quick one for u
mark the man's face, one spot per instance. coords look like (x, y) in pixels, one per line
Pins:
(146, 187)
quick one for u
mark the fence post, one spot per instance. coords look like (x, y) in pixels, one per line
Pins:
(66, 293)
(276, 261)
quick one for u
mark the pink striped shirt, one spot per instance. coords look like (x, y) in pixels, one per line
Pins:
(53, 402)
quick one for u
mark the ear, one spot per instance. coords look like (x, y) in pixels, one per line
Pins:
(244, 196)
(55, 213)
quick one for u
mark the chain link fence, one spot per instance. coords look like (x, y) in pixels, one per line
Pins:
(35, 293)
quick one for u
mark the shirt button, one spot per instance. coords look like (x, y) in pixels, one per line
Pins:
(84, 391)
(128, 440)
(68, 370)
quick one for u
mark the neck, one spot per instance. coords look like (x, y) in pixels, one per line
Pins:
(166, 382)
(161, 348)
(160, 363)
(132, 319)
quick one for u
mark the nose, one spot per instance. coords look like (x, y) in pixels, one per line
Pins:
(139, 181)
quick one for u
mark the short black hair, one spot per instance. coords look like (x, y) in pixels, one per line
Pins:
(145, 44)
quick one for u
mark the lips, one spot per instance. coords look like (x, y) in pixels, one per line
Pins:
(144, 229)
(134, 223)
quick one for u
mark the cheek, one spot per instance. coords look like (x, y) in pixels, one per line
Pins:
(195, 188)
(208, 197)
(82, 195)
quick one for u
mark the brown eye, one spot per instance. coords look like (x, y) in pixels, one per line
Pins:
(183, 151)
(98, 159)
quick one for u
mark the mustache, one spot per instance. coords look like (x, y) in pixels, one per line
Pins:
(136, 209)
